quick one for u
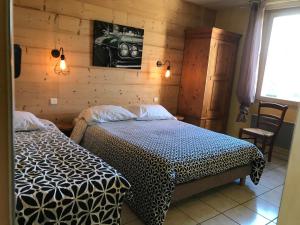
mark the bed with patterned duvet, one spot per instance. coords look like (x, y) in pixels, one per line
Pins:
(157, 155)
(59, 182)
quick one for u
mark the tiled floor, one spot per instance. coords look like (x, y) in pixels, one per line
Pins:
(231, 204)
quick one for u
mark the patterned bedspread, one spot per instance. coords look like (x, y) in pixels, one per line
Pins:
(156, 155)
(59, 182)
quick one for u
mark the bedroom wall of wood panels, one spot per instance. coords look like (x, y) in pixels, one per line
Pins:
(41, 25)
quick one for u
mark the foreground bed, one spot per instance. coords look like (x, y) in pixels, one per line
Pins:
(160, 156)
(59, 182)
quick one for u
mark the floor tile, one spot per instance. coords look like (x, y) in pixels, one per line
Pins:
(219, 220)
(270, 166)
(279, 189)
(263, 207)
(270, 180)
(197, 210)
(277, 173)
(240, 194)
(280, 169)
(279, 162)
(272, 196)
(219, 202)
(245, 216)
(257, 189)
(177, 217)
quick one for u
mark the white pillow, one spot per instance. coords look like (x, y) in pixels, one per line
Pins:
(106, 113)
(26, 121)
(151, 112)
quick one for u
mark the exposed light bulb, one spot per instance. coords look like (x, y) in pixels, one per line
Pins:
(62, 65)
(168, 72)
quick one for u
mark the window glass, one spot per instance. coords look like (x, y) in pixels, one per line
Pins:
(282, 71)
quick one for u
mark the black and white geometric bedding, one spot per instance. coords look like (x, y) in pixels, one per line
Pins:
(59, 182)
(156, 155)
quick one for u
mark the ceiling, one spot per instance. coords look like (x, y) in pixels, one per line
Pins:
(218, 4)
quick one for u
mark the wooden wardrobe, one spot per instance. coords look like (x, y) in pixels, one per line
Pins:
(207, 76)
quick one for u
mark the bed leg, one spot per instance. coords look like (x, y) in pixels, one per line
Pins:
(242, 181)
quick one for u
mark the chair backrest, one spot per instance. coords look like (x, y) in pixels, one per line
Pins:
(269, 121)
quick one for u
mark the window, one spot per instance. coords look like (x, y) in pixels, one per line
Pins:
(281, 76)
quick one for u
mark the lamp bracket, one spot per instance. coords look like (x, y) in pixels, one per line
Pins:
(160, 63)
(57, 52)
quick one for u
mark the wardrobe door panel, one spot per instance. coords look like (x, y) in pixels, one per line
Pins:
(219, 79)
(193, 78)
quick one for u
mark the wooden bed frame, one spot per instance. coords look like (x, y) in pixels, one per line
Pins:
(183, 191)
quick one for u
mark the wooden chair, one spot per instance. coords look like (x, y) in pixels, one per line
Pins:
(267, 127)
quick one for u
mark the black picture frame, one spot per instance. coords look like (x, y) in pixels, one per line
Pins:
(117, 45)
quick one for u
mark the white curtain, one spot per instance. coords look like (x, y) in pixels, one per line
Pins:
(246, 89)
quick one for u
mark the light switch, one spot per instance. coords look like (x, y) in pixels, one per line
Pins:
(156, 99)
(53, 101)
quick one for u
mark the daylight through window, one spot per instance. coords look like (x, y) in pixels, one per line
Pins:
(282, 71)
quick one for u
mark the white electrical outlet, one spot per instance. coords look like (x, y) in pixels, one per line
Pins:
(156, 99)
(53, 101)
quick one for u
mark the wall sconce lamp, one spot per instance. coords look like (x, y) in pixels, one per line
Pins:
(168, 71)
(61, 65)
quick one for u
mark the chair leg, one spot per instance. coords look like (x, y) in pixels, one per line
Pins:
(242, 181)
(270, 152)
(255, 141)
(241, 133)
(263, 145)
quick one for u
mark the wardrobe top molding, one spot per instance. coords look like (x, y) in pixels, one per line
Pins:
(212, 32)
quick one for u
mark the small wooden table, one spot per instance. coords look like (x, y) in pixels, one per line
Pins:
(65, 127)
(179, 118)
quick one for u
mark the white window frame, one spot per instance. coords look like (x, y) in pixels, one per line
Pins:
(267, 28)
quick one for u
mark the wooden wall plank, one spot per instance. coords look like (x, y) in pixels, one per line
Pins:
(33, 4)
(38, 56)
(83, 43)
(41, 25)
(44, 74)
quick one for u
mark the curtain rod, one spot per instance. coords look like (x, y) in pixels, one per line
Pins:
(254, 1)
